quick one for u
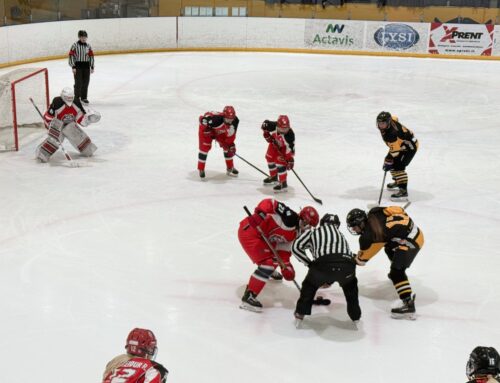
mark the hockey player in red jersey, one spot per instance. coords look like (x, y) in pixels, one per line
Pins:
(280, 225)
(137, 365)
(222, 128)
(280, 151)
(64, 119)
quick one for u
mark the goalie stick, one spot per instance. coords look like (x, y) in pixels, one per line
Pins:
(320, 301)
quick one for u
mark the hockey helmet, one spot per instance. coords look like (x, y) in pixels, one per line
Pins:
(330, 219)
(68, 95)
(309, 217)
(141, 342)
(356, 218)
(483, 361)
(283, 124)
(383, 118)
(229, 113)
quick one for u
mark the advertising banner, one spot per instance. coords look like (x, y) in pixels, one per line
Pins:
(461, 39)
(396, 37)
(333, 34)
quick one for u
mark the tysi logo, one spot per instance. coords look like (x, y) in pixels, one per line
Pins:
(396, 36)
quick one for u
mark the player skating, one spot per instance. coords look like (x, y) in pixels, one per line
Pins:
(138, 364)
(280, 151)
(332, 261)
(222, 128)
(391, 228)
(280, 225)
(64, 119)
(402, 148)
(483, 365)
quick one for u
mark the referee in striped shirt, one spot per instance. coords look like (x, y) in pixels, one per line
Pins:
(332, 261)
(81, 60)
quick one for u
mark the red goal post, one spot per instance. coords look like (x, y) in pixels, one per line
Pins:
(18, 118)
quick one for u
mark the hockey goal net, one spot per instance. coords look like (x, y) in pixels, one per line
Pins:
(18, 117)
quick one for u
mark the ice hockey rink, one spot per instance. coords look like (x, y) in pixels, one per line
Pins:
(133, 238)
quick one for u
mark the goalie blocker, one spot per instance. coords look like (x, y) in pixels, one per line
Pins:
(64, 118)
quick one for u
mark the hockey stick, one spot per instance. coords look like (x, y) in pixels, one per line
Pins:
(252, 165)
(313, 197)
(382, 188)
(319, 301)
(68, 157)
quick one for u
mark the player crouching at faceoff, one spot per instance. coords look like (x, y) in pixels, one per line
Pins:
(280, 225)
(402, 148)
(137, 365)
(280, 151)
(332, 262)
(220, 127)
(483, 365)
(64, 119)
(391, 228)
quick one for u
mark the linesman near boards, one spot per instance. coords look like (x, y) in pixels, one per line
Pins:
(81, 60)
(332, 262)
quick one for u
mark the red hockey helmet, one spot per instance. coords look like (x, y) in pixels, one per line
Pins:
(309, 217)
(142, 343)
(229, 112)
(283, 124)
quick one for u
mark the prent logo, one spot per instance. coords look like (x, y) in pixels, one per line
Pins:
(396, 36)
(452, 32)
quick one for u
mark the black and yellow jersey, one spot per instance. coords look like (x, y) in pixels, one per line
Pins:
(388, 224)
(399, 138)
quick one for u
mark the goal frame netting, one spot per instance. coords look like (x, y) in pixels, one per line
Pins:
(13, 85)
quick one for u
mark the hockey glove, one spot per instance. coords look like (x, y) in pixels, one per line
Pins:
(255, 220)
(388, 164)
(288, 272)
(290, 163)
(267, 136)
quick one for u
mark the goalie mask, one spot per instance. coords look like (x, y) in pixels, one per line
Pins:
(68, 95)
(141, 343)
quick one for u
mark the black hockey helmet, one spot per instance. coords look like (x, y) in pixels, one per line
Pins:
(82, 33)
(330, 219)
(483, 361)
(383, 117)
(356, 217)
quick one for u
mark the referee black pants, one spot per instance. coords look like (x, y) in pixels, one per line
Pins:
(329, 269)
(82, 79)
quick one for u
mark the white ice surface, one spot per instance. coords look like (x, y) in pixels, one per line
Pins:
(136, 239)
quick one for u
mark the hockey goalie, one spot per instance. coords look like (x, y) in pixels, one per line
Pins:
(64, 120)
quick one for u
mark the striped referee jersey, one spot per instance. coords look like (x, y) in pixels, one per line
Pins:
(321, 241)
(81, 53)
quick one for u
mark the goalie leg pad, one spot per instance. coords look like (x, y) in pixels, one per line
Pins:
(47, 148)
(79, 139)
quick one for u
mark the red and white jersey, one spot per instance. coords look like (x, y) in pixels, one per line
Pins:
(60, 110)
(278, 222)
(137, 370)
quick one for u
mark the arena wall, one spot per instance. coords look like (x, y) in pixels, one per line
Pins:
(42, 41)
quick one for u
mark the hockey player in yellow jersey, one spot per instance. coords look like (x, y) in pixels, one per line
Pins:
(392, 229)
(402, 148)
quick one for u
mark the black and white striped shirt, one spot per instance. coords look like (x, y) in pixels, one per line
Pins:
(81, 53)
(321, 241)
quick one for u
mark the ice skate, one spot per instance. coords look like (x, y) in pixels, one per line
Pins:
(249, 302)
(269, 181)
(400, 196)
(232, 172)
(299, 319)
(202, 174)
(392, 186)
(406, 310)
(281, 188)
